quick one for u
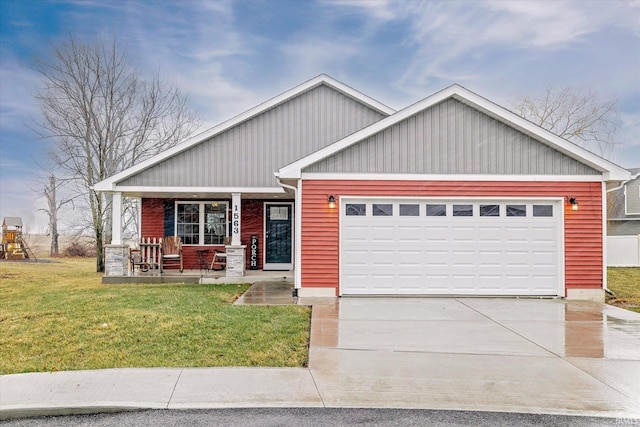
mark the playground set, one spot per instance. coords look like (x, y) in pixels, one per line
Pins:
(13, 245)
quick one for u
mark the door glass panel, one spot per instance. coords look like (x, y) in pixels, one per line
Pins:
(489, 210)
(462, 210)
(356, 209)
(382, 209)
(278, 234)
(409, 210)
(437, 210)
(516, 210)
(542, 210)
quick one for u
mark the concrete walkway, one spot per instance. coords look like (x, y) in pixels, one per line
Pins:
(488, 354)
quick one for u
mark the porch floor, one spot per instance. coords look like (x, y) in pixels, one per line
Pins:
(200, 276)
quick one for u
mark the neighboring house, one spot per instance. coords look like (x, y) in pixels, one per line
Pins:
(453, 195)
(624, 208)
(623, 223)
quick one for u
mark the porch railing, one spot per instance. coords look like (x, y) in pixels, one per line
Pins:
(150, 251)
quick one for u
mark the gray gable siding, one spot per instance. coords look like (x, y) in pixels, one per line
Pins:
(632, 197)
(248, 154)
(450, 138)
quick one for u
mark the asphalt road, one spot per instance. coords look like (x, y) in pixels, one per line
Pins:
(317, 417)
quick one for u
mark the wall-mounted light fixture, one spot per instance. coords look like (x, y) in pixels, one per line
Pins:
(332, 202)
(574, 203)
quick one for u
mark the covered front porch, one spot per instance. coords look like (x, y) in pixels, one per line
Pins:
(253, 234)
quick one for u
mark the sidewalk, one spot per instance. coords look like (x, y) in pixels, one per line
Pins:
(483, 354)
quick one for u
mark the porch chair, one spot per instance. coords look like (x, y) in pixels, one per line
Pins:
(172, 252)
(220, 257)
(136, 260)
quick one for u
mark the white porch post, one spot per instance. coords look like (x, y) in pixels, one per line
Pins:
(236, 250)
(116, 255)
(236, 218)
(116, 219)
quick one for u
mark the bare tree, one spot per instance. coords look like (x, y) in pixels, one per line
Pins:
(50, 192)
(575, 114)
(104, 117)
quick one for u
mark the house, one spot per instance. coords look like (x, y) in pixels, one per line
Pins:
(453, 195)
(624, 207)
(623, 223)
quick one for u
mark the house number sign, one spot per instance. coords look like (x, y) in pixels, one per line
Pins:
(235, 221)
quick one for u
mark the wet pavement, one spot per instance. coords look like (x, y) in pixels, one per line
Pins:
(540, 356)
(488, 354)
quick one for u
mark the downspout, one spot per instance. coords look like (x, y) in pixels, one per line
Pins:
(297, 281)
(605, 285)
(622, 184)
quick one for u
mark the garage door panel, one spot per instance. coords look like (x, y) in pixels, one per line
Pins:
(475, 255)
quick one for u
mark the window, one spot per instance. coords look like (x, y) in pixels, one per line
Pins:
(542, 210)
(462, 210)
(409, 210)
(516, 210)
(188, 223)
(356, 209)
(382, 209)
(215, 216)
(489, 210)
(201, 223)
(437, 210)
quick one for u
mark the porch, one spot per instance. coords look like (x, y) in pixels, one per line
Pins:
(199, 276)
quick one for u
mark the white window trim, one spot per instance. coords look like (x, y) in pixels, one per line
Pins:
(201, 219)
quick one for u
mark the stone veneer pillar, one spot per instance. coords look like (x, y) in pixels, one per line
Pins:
(235, 260)
(116, 260)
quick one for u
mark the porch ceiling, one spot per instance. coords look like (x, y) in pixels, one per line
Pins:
(199, 195)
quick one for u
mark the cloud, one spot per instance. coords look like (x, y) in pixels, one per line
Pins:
(16, 199)
(17, 83)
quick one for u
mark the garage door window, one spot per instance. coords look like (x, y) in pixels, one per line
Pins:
(382, 209)
(462, 210)
(409, 210)
(356, 209)
(437, 210)
(466, 208)
(516, 210)
(542, 210)
(489, 210)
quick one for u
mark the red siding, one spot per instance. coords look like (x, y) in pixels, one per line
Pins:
(152, 218)
(320, 225)
(253, 223)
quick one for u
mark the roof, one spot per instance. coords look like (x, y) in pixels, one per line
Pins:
(609, 170)
(12, 221)
(110, 183)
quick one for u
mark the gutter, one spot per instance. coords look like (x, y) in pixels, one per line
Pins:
(622, 184)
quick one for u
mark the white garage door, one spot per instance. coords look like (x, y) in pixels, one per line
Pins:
(450, 247)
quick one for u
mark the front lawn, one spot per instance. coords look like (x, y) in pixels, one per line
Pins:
(625, 284)
(59, 316)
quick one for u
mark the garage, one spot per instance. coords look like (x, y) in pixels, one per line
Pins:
(428, 246)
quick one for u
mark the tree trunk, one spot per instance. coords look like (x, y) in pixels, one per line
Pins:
(53, 216)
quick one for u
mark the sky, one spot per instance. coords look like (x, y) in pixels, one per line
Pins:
(229, 56)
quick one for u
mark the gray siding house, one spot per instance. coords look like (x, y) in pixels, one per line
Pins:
(453, 195)
(624, 208)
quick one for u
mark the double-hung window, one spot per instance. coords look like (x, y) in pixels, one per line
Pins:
(201, 223)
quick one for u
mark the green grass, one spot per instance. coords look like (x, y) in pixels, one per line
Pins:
(59, 316)
(625, 284)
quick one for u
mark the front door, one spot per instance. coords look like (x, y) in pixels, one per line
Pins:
(278, 236)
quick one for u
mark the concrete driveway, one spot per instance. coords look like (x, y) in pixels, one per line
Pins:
(489, 354)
